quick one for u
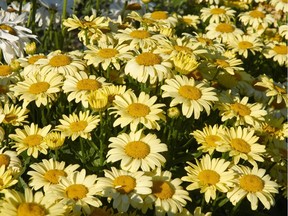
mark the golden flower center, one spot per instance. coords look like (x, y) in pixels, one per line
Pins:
(217, 11)
(9, 118)
(158, 15)
(251, 183)
(76, 191)
(222, 63)
(209, 177)
(148, 59)
(182, 48)
(212, 140)
(78, 126)
(100, 212)
(9, 29)
(60, 60)
(124, 184)
(138, 110)
(190, 92)
(53, 175)
(30, 209)
(5, 70)
(4, 160)
(107, 52)
(240, 145)
(240, 109)
(35, 58)
(225, 28)
(245, 45)
(33, 140)
(38, 88)
(257, 14)
(162, 189)
(137, 149)
(88, 84)
(141, 34)
(284, 1)
(280, 49)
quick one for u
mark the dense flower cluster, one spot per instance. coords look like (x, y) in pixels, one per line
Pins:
(159, 113)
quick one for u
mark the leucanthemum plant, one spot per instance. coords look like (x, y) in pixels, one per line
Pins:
(164, 108)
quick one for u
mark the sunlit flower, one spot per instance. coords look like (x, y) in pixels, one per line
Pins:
(168, 196)
(29, 64)
(78, 190)
(6, 95)
(277, 51)
(240, 111)
(49, 172)
(10, 160)
(16, 203)
(88, 26)
(161, 18)
(254, 185)
(81, 125)
(98, 100)
(80, 85)
(7, 178)
(134, 110)
(54, 140)
(193, 95)
(31, 138)
(148, 66)
(280, 5)
(62, 63)
(243, 144)
(283, 31)
(13, 35)
(106, 55)
(139, 38)
(256, 17)
(275, 91)
(137, 151)
(14, 115)
(216, 14)
(41, 88)
(209, 175)
(244, 44)
(125, 188)
(185, 63)
(223, 31)
(210, 138)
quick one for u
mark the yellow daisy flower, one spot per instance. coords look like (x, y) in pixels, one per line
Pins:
(29, 64)
(106, 55)
(135, 110)
(189, 20)
(193, 95)
(14, 115)
(256, 17)
(30, 139)
(6, 95)
(161, 18)
(223, 31)
(280, 5)
(125, 188)
(168, 196)
(254, 185)
(136, 151)
(242, 144)
(240, 111)
(209, 175)
(16, 203)
(55, 140)
(78, 191)
(217, 14)
(61, 63)
(139, 38)
(244, 44)
(7, 178)
(148, 65)
(81, 125)
(41, 88)
(49, 172)
(277, 51)
(9, 160)
(80, 85)
(210, 138)
(283, 31)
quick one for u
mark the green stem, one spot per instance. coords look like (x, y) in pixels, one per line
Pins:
(101, 150)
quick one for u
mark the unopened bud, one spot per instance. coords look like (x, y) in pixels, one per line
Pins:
(173, 112)
(30, 48)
